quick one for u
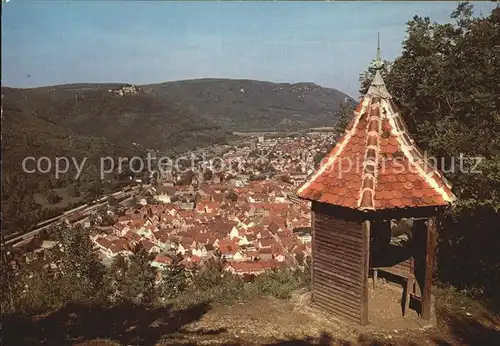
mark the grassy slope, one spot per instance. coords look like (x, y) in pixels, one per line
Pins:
(257, 321)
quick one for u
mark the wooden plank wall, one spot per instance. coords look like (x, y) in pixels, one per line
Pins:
(338, 267)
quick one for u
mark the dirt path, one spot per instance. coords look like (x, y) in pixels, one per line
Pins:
(277, 322)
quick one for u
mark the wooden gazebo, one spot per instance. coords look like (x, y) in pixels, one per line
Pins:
(375, 201)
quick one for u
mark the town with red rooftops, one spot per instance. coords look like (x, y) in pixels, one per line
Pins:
(244, 212)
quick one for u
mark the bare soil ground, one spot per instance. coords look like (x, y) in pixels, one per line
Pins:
(260, 321)
(267, 321)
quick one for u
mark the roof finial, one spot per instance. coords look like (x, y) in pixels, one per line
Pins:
(377, 87)
(378, 45)
(378, 63)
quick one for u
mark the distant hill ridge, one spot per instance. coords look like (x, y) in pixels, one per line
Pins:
(171, 116)
(240, 104)
(153, 114)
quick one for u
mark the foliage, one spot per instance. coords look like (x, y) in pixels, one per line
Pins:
(78, 262)
(344, 114)
(366, 77)
(112, 201)
(320, 155)
(44, 185)
(139, 278)
(35, 290)
(186, 178)
(279, 283)
(72, 273)
(73, 190)
(174, 281)
(286, 179)
(115, 280)
(210, 275)
(257, 177)
(53, 197)
(262, 105)
(232, 196)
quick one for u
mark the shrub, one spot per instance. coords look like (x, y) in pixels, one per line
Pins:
(279, 283)
(73, 191)
(53, 197)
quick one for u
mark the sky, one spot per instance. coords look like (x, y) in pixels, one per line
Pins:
(139, 42)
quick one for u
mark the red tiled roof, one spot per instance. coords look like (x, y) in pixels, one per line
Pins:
(147, 244)
(104, 242)
(273, 227)
(228, 246)
(376, 165)
(163, 259)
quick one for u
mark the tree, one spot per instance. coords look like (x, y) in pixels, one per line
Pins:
(29, 201)
(207, 175)
(232, 196)
(112, 201)
(108, 220)
(344, 115)
(78, 262)
(70, 272)
(318, 157)
(300, 257)
(286, 179)
(133, 202)
(53, 197)
(7, 277)
(115, 280)
(173, 280)
(186, 178)
(73, 190)
(140, 277)
(446, 85)
(44, 185)
(211, 274)
(366, 77)
(35, 289)
(94, 191)
(131, 279)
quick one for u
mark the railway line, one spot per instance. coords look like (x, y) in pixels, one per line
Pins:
(76, 214)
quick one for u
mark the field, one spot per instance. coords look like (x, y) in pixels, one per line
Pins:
(283, 133)
(264, 133)
(65, 202)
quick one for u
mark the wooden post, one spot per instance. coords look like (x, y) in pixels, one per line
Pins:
(429, 267)
(366, 265)
(410, 284)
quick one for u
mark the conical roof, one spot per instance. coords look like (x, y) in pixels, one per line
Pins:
(376, 165)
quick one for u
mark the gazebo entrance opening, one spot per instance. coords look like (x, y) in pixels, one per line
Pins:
(397, 254)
